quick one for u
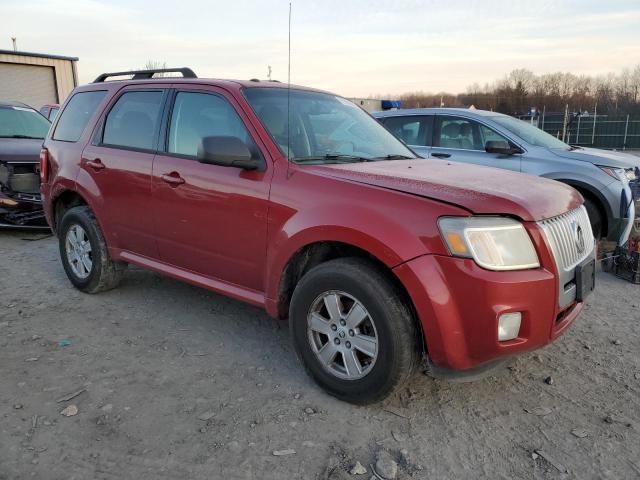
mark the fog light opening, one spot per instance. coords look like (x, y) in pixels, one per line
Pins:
(509, 326)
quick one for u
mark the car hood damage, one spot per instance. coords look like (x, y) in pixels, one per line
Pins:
(481, 190)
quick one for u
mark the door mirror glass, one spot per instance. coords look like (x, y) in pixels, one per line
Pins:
(499, 146)
(227, 151)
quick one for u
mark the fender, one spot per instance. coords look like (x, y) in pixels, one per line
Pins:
(584, 185)
(51, 194)
(85, 187)
(390, 240)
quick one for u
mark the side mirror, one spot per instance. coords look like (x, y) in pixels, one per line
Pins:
(227, 152)
(501, 147)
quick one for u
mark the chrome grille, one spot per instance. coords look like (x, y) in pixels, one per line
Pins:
(563, 234)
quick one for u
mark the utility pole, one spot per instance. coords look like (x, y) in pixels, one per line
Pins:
(15, 44)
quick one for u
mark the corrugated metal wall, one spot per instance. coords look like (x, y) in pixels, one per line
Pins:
(34, 85)
(63, 76)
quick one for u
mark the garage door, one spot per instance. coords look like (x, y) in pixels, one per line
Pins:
(34, 85)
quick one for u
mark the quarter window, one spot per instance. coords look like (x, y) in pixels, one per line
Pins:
(133, 120)
(198, 115)
(76, 115)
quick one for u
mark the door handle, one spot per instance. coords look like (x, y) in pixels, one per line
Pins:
(95, 164)
(174, 179)
(441, 155)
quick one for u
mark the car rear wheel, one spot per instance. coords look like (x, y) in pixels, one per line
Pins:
(84, 253)
(353, 331)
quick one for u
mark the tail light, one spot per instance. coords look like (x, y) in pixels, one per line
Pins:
(44, 165)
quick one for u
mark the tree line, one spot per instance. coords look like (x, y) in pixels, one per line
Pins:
(521, 89)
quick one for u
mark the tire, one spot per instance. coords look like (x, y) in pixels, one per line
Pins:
(100, 273)
(387, 319)
(595, 217)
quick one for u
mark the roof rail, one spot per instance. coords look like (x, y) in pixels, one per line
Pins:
(146, 74)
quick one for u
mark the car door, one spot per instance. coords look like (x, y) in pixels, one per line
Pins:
(462, 139)
(414, 130)
(210, 219)
(119, 160)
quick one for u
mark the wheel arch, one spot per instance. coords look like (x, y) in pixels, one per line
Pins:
(318, 252)
(63, 201)
(593, 194)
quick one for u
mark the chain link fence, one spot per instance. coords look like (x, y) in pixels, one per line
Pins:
(620, 132)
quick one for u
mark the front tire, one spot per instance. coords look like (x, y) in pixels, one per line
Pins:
(84, 253)
(595, 217)
(353, 330)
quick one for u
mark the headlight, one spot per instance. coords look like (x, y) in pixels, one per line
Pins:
(495, 243)
(622, 174)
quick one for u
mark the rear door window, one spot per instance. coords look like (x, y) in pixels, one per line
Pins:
(412, 130)
(76, 115)
(133, 121)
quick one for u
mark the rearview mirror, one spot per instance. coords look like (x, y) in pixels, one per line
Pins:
(500, 147)
(227, 152)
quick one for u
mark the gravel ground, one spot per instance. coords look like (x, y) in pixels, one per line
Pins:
(177, 382)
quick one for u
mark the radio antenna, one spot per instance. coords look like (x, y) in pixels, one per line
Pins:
(289, 92)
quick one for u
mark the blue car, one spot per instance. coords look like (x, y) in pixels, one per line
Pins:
(487, 138)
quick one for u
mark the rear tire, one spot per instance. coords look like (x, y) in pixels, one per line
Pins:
(595, 217)
(369, 346)
(84, 252)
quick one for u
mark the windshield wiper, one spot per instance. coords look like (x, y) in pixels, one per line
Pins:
(395, 157)
(333, 156)
(22, 136)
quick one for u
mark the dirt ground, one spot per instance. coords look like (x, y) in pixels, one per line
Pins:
(180, 383)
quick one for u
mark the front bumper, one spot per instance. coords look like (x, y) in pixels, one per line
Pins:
(459, 303)
(621, 222)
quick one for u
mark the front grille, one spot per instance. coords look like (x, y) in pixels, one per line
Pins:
(570, 237)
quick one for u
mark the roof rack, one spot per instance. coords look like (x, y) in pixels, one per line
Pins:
(146, 74)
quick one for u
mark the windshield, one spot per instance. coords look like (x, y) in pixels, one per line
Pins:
(529, 133)
(21, 122)
(324, 128)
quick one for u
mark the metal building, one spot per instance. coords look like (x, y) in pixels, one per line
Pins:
(36, 78)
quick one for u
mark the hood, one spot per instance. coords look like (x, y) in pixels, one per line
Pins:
(605, 158)
(21, 150)
(481, 190)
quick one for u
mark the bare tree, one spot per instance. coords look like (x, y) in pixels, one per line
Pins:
(521, 89)
(155, 65)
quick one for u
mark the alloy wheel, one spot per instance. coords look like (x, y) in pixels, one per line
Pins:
(78, 250)
(342, 335)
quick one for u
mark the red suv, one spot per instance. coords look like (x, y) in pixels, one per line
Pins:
(297, 201)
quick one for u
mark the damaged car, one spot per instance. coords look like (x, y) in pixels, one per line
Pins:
(22, 130)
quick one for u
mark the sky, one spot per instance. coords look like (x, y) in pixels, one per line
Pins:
(351, 47)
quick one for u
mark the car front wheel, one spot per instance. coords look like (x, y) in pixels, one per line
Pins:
(353, 331)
